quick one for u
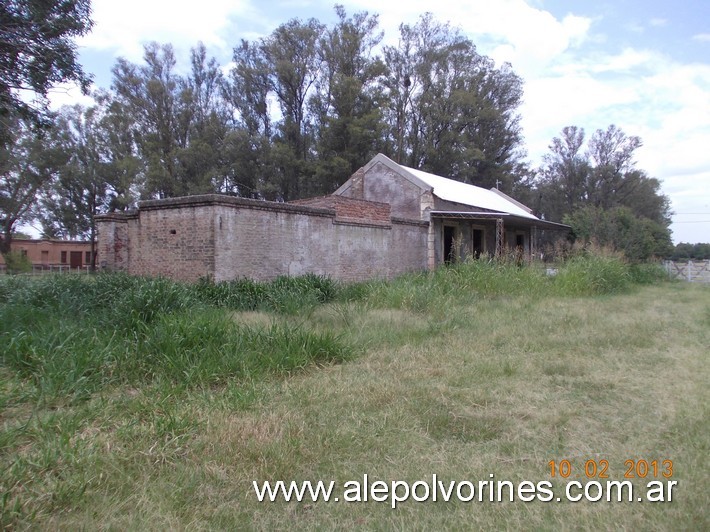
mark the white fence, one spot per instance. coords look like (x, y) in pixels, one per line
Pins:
(39, 269)
(692, 270)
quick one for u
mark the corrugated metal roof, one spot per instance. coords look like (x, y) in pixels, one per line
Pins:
(458, 192)
(469, 215)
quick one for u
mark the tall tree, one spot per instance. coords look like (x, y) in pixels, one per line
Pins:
(611, 154)
(249, 88)
(248, 143)
(602, 194)
(81, 189)
(451, 110)
(291, 52)
(201, 155)
(496, 130)
(564, 177)
(603, 175)
(124, 167)
(37, 51)
(28, 163)
(346, 105)
(181, 122)
(151, 93)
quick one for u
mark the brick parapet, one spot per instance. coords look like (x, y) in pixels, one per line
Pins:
(220, 199)
(116, 216)
(409, 221)
(351, 210)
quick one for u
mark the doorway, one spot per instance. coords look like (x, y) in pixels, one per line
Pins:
(449, 250)
(75, 259)
(477, 243)
(520, 241)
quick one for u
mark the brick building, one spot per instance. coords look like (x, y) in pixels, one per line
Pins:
(53, 254)
(387, 219)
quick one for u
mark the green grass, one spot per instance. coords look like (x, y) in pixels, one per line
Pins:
(139, 404)
(70, 337)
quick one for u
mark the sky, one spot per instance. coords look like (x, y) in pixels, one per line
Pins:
(643, 65)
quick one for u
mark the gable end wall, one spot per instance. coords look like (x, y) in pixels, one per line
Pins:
(383, 184)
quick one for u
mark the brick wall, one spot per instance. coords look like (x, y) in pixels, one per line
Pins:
(262, 244)
(112, 240)
(351, 209)
(173, 240)
(227, 238)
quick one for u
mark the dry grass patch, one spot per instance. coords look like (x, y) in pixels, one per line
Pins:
(253, 318)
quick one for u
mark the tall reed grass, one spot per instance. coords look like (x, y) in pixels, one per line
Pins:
(288, 295)
(70, 335)
(586, 274)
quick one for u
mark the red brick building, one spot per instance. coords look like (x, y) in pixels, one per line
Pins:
(53, 254)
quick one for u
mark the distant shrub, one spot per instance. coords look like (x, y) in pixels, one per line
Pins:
(647, 273)
(16, 262)
(592, 274)
(285, 294)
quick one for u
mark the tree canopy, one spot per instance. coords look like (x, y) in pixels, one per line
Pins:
(602, 195)
(297, 112)
(37, 51)
(450, 110)
(686, 251)
(304, 107)
(28, 164)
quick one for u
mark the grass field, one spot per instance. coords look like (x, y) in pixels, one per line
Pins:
(161, 417)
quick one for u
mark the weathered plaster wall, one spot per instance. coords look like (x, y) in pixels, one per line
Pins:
(227, 238)
(382, 184)
(263, 243)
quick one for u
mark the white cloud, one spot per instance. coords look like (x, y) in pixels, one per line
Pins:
(627, 60)
(514, 31)
(552, 103)
(658, 22)
(645, 93)
(68, 94)
(124, 26)
(702, 37)
(634, 27)
(676, 117)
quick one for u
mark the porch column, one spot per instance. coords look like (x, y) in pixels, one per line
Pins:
(500, 235)
(431, 241)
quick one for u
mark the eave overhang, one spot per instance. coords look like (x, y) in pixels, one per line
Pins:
(507, 217)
